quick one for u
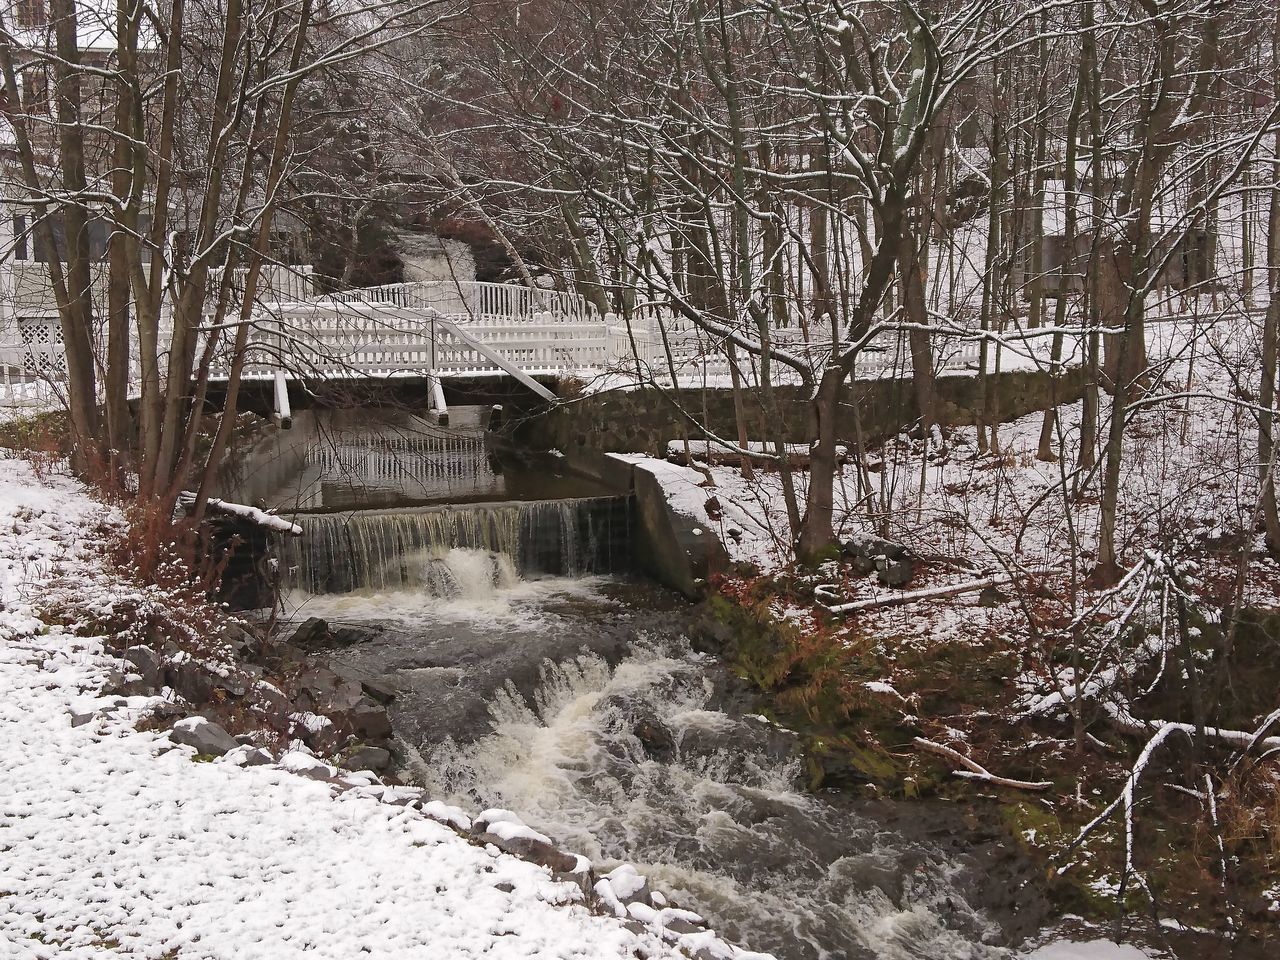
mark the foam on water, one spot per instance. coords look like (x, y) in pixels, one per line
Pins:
(724, 829)
(462, 585)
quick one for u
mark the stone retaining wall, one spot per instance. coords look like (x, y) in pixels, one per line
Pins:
(645, 420)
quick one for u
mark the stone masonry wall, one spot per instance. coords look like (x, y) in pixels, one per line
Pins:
(644, 421)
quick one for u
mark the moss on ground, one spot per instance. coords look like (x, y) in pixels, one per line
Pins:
(812, 676)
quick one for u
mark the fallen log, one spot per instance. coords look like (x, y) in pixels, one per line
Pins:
(262, 518)
(977, 771)
(931, 593)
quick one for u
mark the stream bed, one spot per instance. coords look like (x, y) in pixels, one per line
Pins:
(579, 704)
(535, 673)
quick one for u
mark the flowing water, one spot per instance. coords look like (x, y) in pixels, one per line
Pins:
(532, 674)
(579, 703)
(416, 548)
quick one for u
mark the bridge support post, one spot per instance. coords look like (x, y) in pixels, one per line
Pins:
(438, 407)
(283, 412)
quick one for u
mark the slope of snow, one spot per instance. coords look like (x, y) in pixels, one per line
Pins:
(114, 841)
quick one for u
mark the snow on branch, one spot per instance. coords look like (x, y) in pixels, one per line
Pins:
(263, 518)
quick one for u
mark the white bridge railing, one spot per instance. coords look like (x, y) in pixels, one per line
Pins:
(347, 338)
(443, 329)
(473, 299)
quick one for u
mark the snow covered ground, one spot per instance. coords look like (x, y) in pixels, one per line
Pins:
(116, 842)
(1189, 475)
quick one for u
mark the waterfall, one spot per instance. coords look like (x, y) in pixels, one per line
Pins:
(439, 549)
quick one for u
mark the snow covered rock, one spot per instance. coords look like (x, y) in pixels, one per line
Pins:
(402, 796)
(506, 831)
(204, 735)
(623, 887)
(247, 755)
(446, 813)
(305, 765)
(627, 883)
(148, 665)
(86, 709)
(892, 563)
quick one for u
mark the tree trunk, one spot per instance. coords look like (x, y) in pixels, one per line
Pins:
(1045, 451)
(1270, 331)
(123, 238)
(76, 311)
(911, 274)
(1118, 308)
(275, 173)
(817, 531)
(995, 200)
(1087, 454)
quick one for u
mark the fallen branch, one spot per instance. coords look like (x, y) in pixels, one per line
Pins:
(977, 771)
(824, 592)
(1243, 739)
(262, 518)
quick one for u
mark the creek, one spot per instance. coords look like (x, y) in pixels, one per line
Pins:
(535, 672)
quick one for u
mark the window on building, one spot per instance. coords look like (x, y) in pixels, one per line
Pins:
(29, 242)
(20, 248)
(285, 246)
(31, 13)
(39, 249)
(35, 87)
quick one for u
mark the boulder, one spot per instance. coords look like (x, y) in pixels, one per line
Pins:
(190, 678)
(242, 640)
(305, 765)
(656, 739)
(366, 757)
(680, 926)
(323, 691)
(350, 635)
(86, 709)
(204, 735)
(271, 708)
(991, 597)
(892, 563)
(895, 573)
(379, 690)
(627, 884)
(535, 851)
(116, 683)
(236, 683)
(312, 633)
(321, 735)
(247, 755)
(366, 720)
(147, 664)
(402, 796)
(281, 654)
